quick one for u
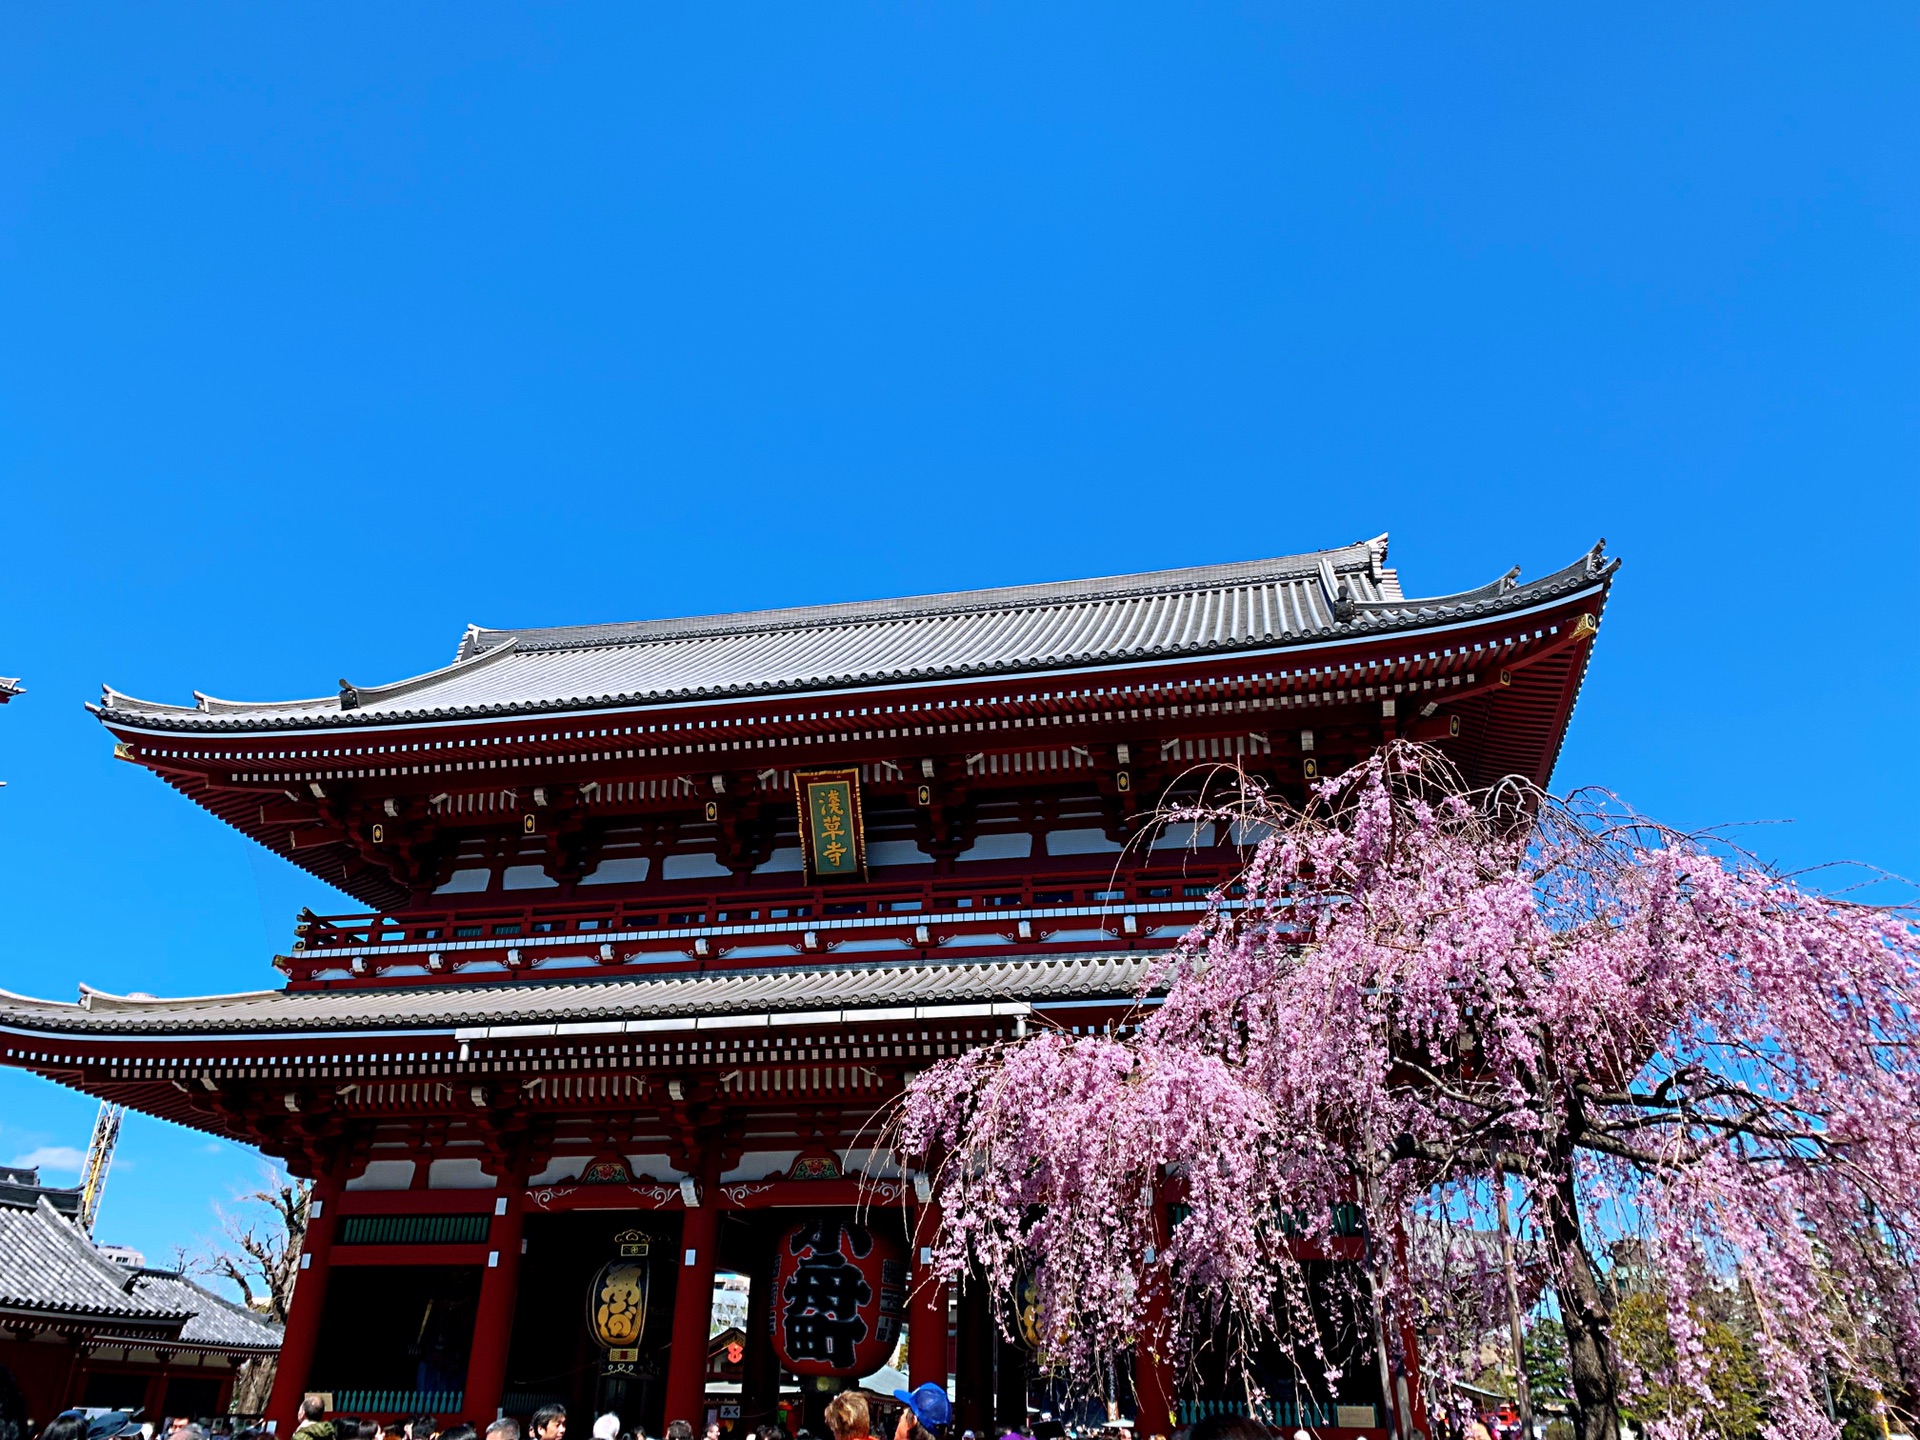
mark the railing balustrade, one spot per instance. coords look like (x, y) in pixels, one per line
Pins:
(409, 1403)
(923, 914)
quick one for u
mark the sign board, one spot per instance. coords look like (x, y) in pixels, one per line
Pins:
(832, 832)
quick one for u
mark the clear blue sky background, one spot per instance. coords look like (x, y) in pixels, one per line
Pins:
(330, 329)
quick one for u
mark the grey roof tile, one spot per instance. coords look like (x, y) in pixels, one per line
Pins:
(1203, 610)
(457, 1006)
(212, 1321)
(48, 1266)
(25, 1192)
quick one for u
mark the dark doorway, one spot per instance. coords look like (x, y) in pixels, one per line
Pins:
(195, 1395)
(1297, 1398)
(397, 1327)
(13, 1407)
(554, 1356)
(115, 1392)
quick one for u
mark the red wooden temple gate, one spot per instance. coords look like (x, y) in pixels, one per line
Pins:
(659, 918)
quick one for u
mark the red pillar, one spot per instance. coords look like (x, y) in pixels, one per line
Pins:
(927, 1311)
(309, 1300)
(1416, 1402)
(760, 1367)
(973, 1360)
(156, 1396)
(77, 1375)
(693, 1306)
(1154, 1400)
(499, 1286)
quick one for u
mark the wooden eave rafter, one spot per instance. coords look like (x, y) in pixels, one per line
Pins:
(261, 784)
(292, 1094)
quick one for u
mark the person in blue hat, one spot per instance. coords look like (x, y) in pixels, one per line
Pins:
(927, 1410)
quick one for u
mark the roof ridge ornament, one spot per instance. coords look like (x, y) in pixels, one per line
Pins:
(1377, 556)
(1339, 597)
(349, 697)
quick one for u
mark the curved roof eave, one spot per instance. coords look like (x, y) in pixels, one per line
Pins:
(561, 999)
(1367, 619)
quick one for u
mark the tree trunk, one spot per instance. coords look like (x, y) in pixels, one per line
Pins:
(1588, 1321)
(251, 1386)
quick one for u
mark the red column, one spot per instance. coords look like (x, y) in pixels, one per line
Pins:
(973, 1360)
(77, 1375)
(760, 1367)
(1416, 1403)
(499, 1286)
(927, 1311)
(309, 1300)
(156, 1396)
(1153, 1382)
(693, 1307)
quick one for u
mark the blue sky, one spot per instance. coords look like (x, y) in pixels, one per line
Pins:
(330, 329)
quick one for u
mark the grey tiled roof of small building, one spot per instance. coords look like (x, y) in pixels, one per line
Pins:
(48, 1266)
(849, 988)
(1203, 610)
(213, 1320)
(24, 1192)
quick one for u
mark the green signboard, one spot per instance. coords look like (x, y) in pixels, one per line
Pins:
(830, 828)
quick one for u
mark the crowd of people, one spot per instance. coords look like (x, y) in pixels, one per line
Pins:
(924, 1413)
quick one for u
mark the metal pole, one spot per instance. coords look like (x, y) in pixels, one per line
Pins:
(1523, 1397)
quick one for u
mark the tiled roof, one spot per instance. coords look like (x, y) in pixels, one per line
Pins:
(47, 1266)
(1205, 610)
(633, 1003)
(213, 1321)
(22, 1188)
(9, 688)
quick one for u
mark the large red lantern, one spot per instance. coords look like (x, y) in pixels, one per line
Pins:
(839, 1290)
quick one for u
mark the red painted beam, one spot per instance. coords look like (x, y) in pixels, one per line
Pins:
(474, 1255)
(417, 1202)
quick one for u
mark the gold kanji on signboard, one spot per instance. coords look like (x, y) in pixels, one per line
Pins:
(831, 835)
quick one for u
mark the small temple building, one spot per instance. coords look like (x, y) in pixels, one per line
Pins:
(655, 920)
(86, 1324)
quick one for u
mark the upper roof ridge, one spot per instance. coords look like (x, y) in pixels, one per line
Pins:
(1361, 555)
(1345, 593)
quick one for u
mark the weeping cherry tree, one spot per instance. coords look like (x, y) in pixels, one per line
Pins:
(1418, 992)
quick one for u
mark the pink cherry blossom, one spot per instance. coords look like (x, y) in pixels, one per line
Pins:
(1420, 988)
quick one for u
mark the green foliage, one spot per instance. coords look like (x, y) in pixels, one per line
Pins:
(1733, 1368)
(1546, 1352)
(1853, 1407)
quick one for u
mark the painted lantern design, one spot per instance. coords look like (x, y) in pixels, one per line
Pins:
(617, 1303)
(1026, 1312)
(839, 1292)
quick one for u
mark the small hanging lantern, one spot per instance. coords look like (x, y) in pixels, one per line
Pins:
(617, 1302)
